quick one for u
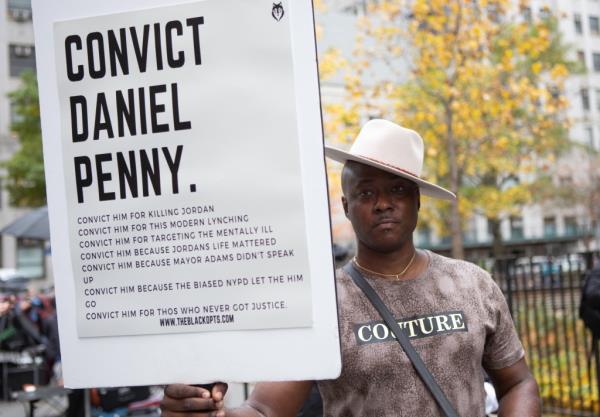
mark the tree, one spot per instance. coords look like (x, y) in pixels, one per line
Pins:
(579, 182)
(482, 81)
(25, 180)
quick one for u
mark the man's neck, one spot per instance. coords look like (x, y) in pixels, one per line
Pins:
(389, 263)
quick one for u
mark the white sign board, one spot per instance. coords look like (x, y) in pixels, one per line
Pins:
(177, 124)
(185, 174)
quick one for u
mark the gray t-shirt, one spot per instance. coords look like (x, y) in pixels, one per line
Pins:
(457, 320)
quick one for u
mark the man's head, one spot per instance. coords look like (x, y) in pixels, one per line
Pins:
(382, 184)
(382, 207)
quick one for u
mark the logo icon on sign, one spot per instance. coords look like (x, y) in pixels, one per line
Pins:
(277, 11)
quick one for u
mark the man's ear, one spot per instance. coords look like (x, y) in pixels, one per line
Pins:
(345, 204)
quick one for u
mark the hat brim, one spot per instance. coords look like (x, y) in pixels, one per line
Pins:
(425, 187)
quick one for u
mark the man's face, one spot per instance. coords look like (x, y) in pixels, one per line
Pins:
(382, 207)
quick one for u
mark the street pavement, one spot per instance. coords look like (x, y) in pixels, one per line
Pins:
(42, 408)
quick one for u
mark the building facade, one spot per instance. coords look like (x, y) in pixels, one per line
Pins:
(17, 54)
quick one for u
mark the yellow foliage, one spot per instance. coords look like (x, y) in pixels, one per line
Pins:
(421, 9)
(536, 67)
(502, 143)
(319, 5)
(559, 71)
(330, 63)
(319, 31)
(475, 82)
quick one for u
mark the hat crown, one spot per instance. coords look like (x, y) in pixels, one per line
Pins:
(392, 148)
(390, 144)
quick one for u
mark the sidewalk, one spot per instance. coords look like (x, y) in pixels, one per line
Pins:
(42, 408)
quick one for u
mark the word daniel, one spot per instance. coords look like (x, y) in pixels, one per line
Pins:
(136, 111)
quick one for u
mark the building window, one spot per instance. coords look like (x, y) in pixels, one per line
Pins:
(516, 227)
(470, 231)
(578, 25)
(598, 99)
(424, 236)
(526, 12)
(21, 58)
(30, 258)
(594, 25)
(570, 226)
(19, 10)
(589, 133)
(585, 99)
(356, 8)
(581, 58)
(596, 61)
(544, 13)
(549, 227)
(446, 240)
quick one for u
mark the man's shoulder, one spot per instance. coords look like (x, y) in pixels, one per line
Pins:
(465, 272)
(457, 265)
(341, 276)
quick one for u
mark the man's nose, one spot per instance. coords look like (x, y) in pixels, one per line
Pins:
(383, 202)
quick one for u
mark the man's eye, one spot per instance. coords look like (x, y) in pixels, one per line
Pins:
(399, 189)
(365, 193)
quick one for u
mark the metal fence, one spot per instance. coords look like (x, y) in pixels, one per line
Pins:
(543, 296)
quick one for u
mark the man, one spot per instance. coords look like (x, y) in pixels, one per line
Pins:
(454, 314)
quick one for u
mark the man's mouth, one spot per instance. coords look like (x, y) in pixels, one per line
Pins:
(386, 222)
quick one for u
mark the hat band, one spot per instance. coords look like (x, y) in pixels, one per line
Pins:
(389, 165)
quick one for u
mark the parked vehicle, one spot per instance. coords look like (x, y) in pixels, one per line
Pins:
(542, 271)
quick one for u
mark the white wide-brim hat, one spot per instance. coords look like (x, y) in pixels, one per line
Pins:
(392, 148)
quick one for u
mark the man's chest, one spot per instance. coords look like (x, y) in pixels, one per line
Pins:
(447, 332)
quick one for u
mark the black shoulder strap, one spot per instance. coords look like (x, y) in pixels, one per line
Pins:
(402, 338)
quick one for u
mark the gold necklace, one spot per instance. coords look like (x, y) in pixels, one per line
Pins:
(395, 276)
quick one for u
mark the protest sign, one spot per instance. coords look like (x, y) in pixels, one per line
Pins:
(185, 173)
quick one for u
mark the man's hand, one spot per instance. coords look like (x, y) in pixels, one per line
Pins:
(268, 399)
(191, 401)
